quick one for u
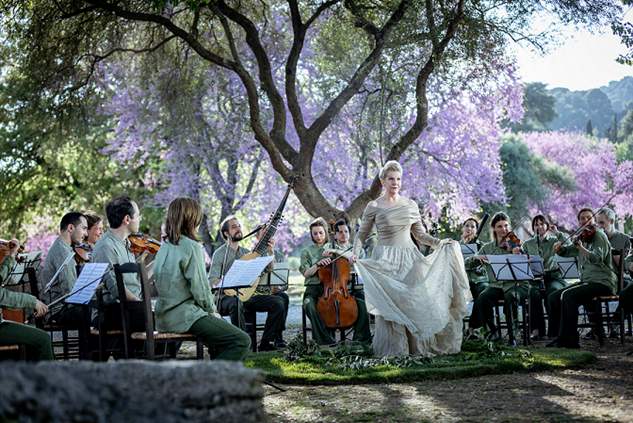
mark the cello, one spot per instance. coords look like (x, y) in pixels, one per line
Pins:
(336, 306)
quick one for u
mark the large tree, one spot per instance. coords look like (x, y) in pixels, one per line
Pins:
(280, 53)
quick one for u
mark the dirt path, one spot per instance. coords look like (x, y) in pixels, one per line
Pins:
(601, 392)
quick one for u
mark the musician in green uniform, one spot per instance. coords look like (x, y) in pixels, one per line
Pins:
(510, 291)
(274, 305)
(38, 343)
(596, 279)
(542, 244)
(477, 276)
(312, 258)
(626, 295)
(185, 303)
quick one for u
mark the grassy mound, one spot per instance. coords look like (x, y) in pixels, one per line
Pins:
(355, 364)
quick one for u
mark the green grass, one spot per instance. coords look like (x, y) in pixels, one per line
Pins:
(478, 360)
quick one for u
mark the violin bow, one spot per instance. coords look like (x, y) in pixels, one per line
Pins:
(587, 222)
(505, 237)
(339, 255)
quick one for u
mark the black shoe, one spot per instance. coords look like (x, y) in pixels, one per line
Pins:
(615, 333)
(280, 343)
(572, 345)
(590, 335)
(472, 337)
(535, 337)
(512, 343)
(266, 346)
(557, 343)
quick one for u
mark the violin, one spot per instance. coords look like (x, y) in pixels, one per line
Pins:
(336, 306)
(5, 246)
(586, 234)
(512, 241)
(83, 253)
(141, 243)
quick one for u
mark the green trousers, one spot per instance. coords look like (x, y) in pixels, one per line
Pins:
(224, 341)
(38, 343)
(553, 282)
(477, 288)
(483, 309)
(563, 308)
(626, 299)
(320, 332)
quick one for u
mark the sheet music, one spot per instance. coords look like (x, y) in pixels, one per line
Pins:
(468, 250)
(536, 264)
(520, 264)
(33, 260)
(568, 267)
(244, 273)
(91, 274)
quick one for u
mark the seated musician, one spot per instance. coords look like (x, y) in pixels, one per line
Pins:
(95, 228)
(477, 276)
(278, 290)
(311, 260)
(605, 218)
(626, 295)
(124, 218)
(72, 231)
(185, 303)
(596, 279)
(509, 291)
(274, 305)
(553, 278)
(37, 342)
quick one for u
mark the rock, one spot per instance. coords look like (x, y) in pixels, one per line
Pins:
(131, 391)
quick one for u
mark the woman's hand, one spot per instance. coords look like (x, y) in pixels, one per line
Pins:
(353, 259)
(40, 309)
(516, 250)
(482, 259)
(324, 262)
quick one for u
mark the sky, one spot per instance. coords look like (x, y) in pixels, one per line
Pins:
(582, 61)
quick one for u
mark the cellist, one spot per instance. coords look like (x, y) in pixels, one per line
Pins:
(311, 259)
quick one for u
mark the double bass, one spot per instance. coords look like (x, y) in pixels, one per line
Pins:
(336, 306)
(262, 245)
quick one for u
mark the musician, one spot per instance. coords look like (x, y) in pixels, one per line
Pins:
(124, 218)
(626, 295)
(311, 260)
(278, 290)
(185, 303)
(596, 279)
(95, 228)
(605, 218)
(477, 276)
(274, 305)
(553, 278)
(72, 230)
(341, 239)
(509, 291)
(38, 343)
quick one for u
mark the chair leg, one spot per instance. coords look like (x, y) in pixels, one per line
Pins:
(65, 344)
(599, 322)
(199, 349)
(22, 352)
(303, 326)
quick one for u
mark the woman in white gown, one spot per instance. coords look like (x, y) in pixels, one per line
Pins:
(419, 302)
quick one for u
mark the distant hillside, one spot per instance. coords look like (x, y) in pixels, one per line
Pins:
(620, 93)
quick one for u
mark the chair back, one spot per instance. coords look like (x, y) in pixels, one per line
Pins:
(125, 304)
(619, 271)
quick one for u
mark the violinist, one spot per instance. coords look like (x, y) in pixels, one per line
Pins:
(509, 291)
(72, 230)
(95, 228)
(38, 343)
(311, 259)
(553, 278)
(274, 305)
(114, 247)
(477, 276)
(593, 250)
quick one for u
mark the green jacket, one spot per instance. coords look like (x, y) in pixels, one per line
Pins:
(487, 249)
(619, 241)
(217, 261)
(64, 283)
(549, 256)
(478, 274)
(597, 268)
(114, 250)
(184, 295)
(309, 257)
(9, 299)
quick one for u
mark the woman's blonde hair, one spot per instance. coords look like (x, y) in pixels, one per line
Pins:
(319, 221)
(184, 215)
(390, 166)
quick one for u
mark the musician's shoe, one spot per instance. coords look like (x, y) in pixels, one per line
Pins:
(535, 337)
(563, 343)
(557, 343)
(472, 337)
(280, 343)
(266, 346)
(614, 333)
(512, 343)
(590, 334)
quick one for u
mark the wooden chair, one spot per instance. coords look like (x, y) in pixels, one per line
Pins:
(102, 335)
(525, 327)
(250, 323)
(13, 352)
(305, 329)
(151, 337)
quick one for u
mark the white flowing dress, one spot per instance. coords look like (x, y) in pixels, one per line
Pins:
(419, 302)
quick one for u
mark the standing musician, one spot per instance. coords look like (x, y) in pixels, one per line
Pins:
(553, 278)
(95, 228)
(185, 303)
(38, 343)
(72, 230)
(596, 279)
(311, 260)
(605, 218)
(275, 290)
(477, 276)
(124, 218)
(511, 292)
(274, 305)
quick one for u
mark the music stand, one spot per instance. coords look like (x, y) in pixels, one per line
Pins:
(568, 267)
(276, 277)
(514, 267)
(536, 264)
(468, 250)
(27, 268)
